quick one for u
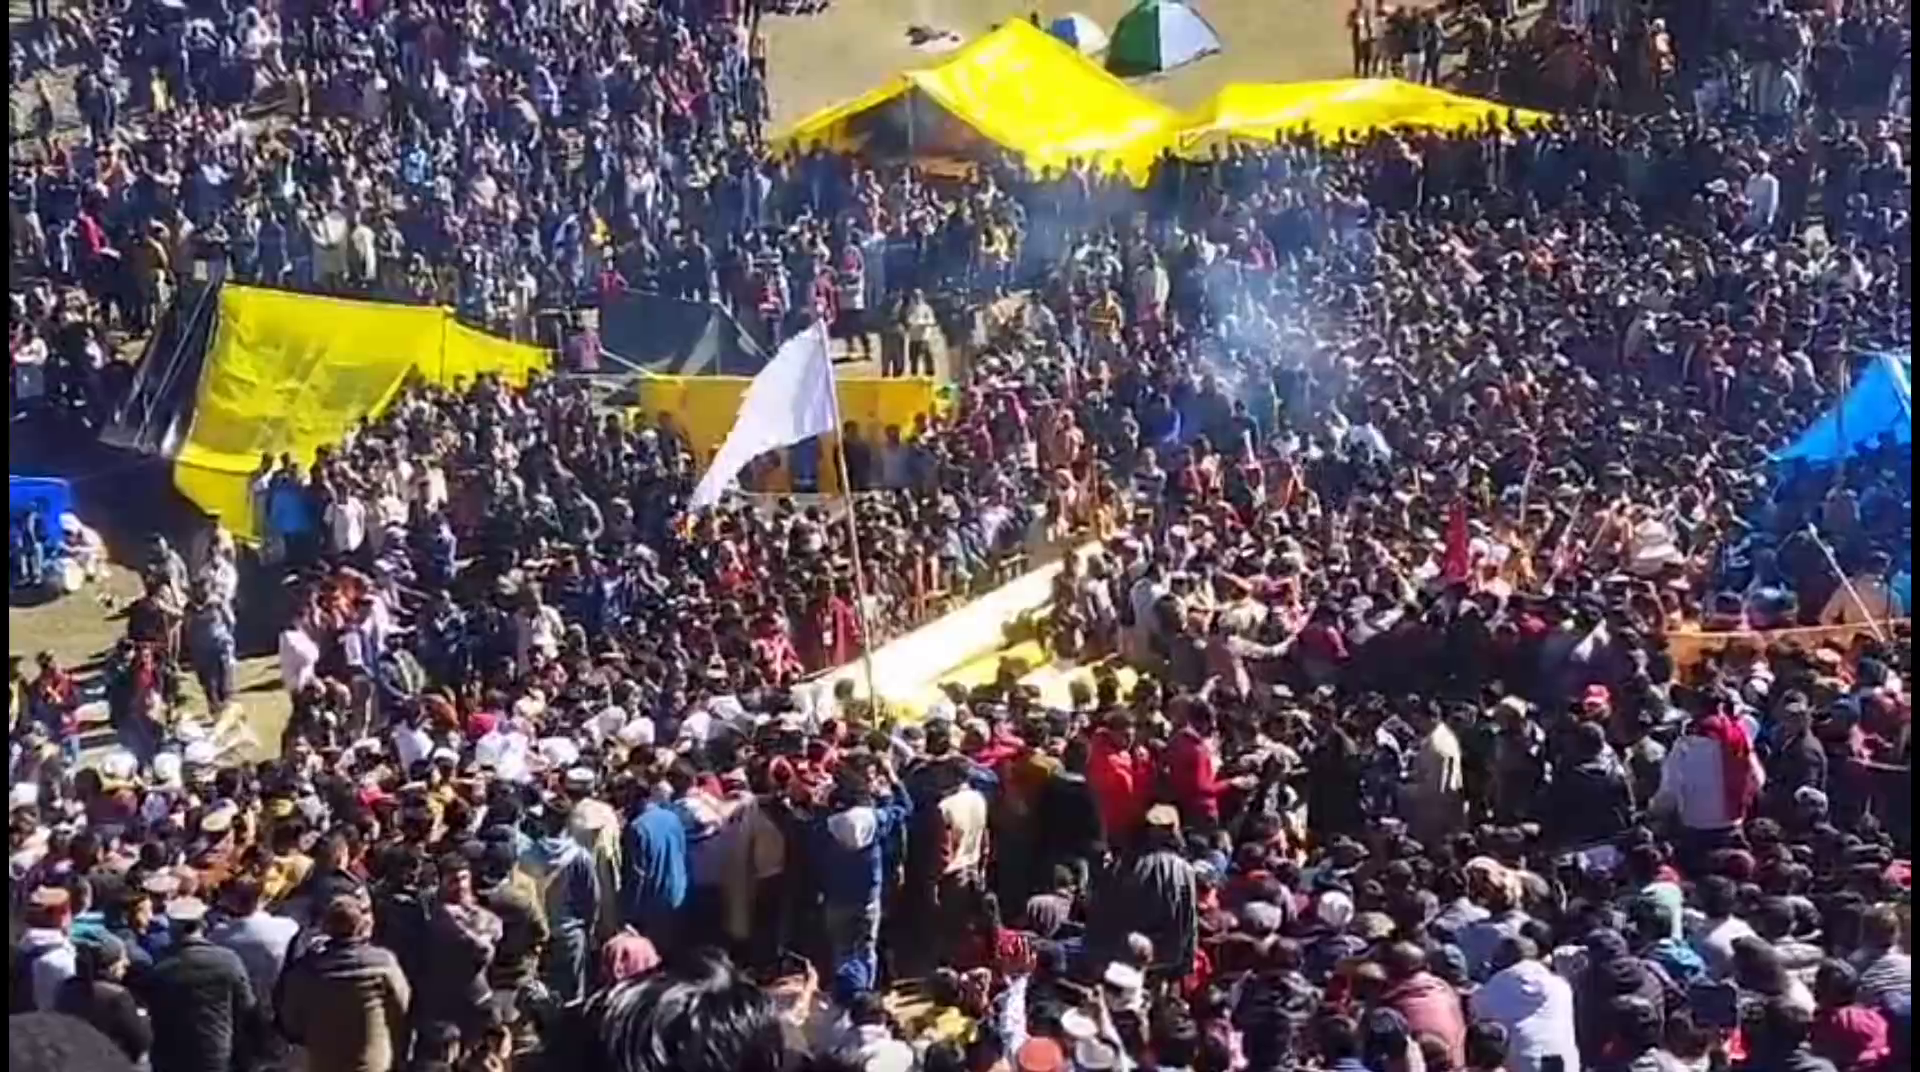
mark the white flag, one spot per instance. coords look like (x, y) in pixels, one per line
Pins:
(790, 400)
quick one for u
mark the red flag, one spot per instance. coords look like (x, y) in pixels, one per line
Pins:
(1457, 565)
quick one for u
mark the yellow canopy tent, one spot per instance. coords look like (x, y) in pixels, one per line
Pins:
(1329, 109)
(290, 373)
(1017, 87)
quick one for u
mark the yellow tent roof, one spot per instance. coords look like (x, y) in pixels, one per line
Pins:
(1331, 108)
(1021, 88)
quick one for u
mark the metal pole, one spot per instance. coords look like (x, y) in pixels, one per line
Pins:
(1846, 584)
(859, 572)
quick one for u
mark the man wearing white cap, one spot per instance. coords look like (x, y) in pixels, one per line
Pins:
(596, 826)
(570, 894)
(200, 996)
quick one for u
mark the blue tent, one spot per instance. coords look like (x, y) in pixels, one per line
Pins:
(1881, 402)
(47, 498)
(51, 496)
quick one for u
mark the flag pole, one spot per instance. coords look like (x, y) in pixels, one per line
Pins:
(1847, 585)
(859, 570)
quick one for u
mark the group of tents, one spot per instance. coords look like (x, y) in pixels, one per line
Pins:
(1157, 35)
(1037, 92)
(237, 372)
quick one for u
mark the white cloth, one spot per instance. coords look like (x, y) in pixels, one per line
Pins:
(411, 744)
(791, 400)
(1692, 784)
(1714, 942)
(298, 657)
(1536, 1008)
(964, 817)
(1763, 199)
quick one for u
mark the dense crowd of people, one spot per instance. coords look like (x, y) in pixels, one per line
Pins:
(1394, 483)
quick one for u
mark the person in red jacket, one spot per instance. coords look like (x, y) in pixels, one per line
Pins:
(1430, 1006)
(1191, 770)
(1121, 779)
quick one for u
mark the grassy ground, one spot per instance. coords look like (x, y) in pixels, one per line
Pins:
(815, 61)
(818, 60)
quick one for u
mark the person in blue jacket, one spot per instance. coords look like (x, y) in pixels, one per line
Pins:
(655, 866)
(864, 817)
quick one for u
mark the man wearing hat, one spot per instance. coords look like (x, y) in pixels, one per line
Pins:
(1154, 894)
(596, 826)
(1797, 760)
(569, 886)
(201, 998)
(46, 956)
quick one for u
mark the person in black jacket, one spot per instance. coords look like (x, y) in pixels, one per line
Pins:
(330, 878)
(50, 1042)
(461, 939)
(346, 1001)
(1590, 798)
(201, 999)
(99, 996)
(1798, 759)
(1066, 818)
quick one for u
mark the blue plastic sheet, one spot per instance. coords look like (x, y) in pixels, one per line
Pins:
(1880, 403)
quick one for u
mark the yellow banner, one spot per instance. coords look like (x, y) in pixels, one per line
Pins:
(1690, 649)
(703, 408)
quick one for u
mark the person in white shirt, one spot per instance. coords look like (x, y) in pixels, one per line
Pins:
(1436, 798)
(45, 951)
(536, 627)
(411, 742)
(961, 849)
(1763, 198)
(429, 487)
(299, 655)
(1533, 1004)
(1711, 776)
(347, 524)
(364, 259)
(1714, 937)
(85, 547)
(870, 1042)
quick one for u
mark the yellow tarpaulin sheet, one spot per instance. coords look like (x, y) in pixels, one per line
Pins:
(1689, 649)
(703, 408)
(1023, 89)
(1329, 109)
(289, 373)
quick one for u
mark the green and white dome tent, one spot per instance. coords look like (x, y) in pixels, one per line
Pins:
(1159, 35)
